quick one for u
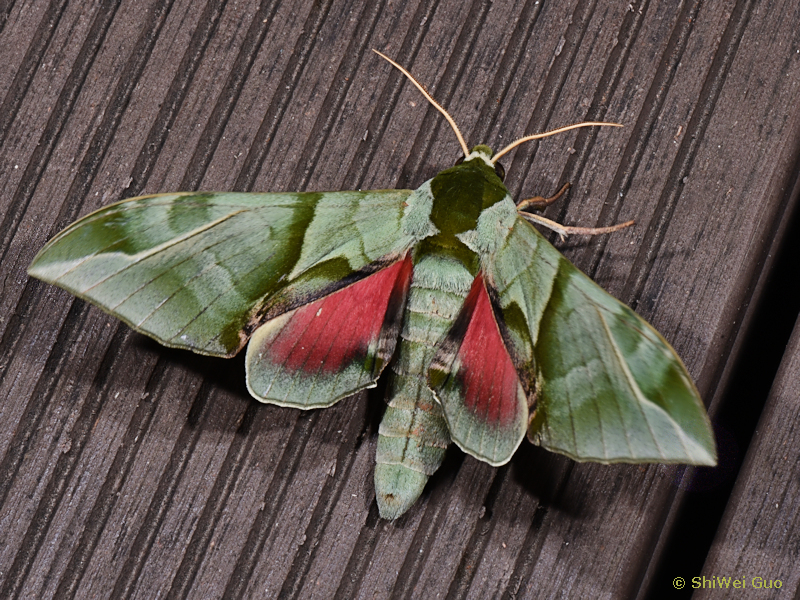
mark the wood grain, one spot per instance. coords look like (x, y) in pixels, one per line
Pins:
(759, 537)
(131, 470)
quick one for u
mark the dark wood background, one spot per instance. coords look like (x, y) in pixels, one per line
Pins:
(131, 470)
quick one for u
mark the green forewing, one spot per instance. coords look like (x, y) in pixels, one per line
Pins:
(202, 270)
(608, 387)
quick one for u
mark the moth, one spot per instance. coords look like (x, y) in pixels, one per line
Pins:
(488, 331)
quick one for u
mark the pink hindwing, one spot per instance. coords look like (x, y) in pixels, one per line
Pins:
(473, 377)
(332, 347)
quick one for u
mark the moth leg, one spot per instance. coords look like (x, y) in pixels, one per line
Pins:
(564, 230)
(538, 202)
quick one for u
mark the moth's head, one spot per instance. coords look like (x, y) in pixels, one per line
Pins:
(483, 153)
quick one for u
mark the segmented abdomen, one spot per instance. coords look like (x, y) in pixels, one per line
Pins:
(413, 434)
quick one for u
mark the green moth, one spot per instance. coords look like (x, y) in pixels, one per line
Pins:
(488, 331)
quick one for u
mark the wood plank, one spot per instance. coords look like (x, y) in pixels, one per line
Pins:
(127, 469)
(758, 538)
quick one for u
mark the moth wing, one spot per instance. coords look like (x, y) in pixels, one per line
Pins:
(474, 379)
(608, 387)
(326, 350)
(201, 271)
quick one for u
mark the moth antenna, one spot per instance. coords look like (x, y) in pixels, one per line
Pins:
(430, 99)
(538, 136)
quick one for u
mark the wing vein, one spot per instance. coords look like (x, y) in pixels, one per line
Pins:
(632, 383)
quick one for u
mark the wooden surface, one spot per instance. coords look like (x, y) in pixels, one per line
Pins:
(131, 470)
(758, 541)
